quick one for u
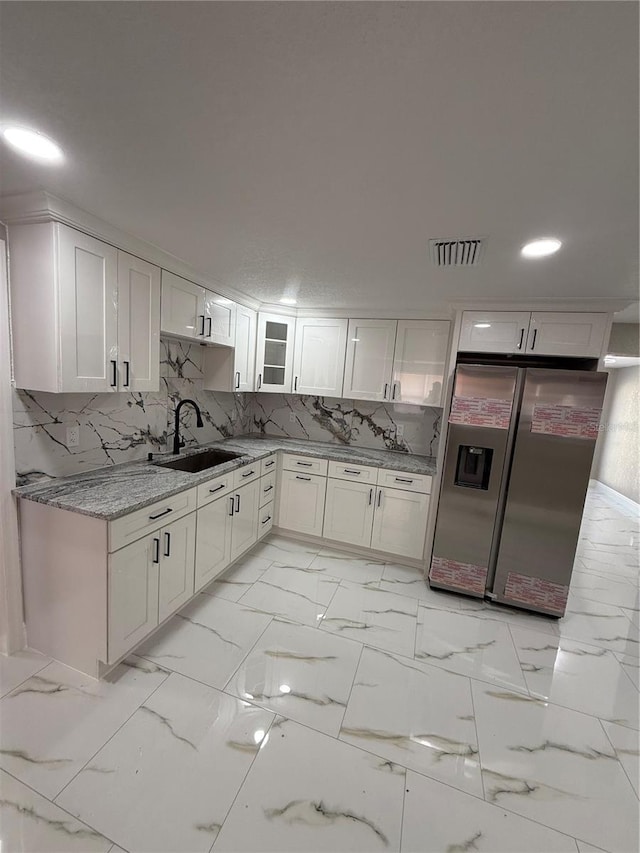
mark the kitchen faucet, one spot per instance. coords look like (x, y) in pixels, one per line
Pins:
(177, 444)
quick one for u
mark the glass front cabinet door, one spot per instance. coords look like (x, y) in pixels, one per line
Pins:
(274, 360)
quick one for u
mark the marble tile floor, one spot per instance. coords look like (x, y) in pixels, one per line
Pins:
(310, 700)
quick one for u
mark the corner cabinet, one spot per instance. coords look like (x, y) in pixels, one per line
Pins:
(534, 333)
(196, 313)
(95, 310)
(369, 359)
(318, 359)
(227, 369)
(274, 356)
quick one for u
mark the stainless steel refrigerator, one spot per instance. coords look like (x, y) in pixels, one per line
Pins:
(515, 477)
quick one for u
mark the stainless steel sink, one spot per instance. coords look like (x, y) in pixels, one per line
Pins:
(200, 461)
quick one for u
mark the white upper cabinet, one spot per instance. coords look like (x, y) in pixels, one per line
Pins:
(318, 360)
(369, 361)
(494, 331)
(227, 369)
(419, 362)
(274, 357)
(138, 324)
(182, 307)
(85, 316)
(569, 334)
(538, 332)
(191, 311)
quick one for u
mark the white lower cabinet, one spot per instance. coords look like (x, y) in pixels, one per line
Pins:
(348, 515)
(302, 502)
(265, 519)
(243, 503)
(213, 540)
(400, 522)
(133, 595)
(177, 544)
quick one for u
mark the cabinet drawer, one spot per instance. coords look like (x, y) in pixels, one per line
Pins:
(403, 480)
(265, 519)
(216, 488)
(268, 464)
(130, 527)
(304, 463)
(246, 474)
(267, 489)
(357, 473)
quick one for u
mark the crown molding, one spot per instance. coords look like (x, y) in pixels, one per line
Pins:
(597, 304)
(41, 206)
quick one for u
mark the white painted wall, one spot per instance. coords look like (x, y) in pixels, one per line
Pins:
(11, 620)
(617, 457)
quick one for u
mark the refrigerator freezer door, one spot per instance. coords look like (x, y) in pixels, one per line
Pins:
(553, 450)
(477, 445)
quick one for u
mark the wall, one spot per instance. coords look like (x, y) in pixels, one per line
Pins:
(617, 458)
(118, 428)
(624, 339)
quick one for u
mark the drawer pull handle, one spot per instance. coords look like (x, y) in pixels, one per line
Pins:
(232, 505)
(305, 464)
(269, 464)
(268, 518)
(351, 471)
(160, 514)
(156, 550)
(403, 480)
(167, 544)
(268, 489)
(249, 473)
(298, 477)
(217, 488)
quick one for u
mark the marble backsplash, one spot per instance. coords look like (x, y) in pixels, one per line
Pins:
(117, 428)
(383, 426)
(121, 427)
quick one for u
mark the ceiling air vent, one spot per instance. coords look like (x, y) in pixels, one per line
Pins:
(465, 252)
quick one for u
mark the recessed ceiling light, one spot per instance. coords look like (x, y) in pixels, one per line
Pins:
(482, 325)
(286, 300)
(33, 144)
(540, 248)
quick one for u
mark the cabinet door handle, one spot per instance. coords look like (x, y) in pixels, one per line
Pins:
(393, 390)
(298, 477)
(249, 473)
(114, 373)
(370, 496)
(305, 464)
(127, 374)
(379, 496)
(160, 514)
(167, 544)
(217, 488)
(156, 550)
(210, 322)
(259, 381)
(533, 342)
(268, 489)
(295, 384)
(351, 471)
(268, 518)
(521, 338)
(386, 388)
(403, 480)
(237, 379)
(232, 505)
(202, 329)
(238, 503)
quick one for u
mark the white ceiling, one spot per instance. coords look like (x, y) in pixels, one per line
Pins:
(313, 148)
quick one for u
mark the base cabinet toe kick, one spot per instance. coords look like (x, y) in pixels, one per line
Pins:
(94, 590)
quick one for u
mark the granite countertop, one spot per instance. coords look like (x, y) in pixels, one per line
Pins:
(109, 493)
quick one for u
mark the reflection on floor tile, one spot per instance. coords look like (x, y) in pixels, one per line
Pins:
(462, 643)
(179, 761)
(31, 824)
(300, 673)
(416, 716)
(307, 791)
(437, 818)
(55, 721)
(555, 766)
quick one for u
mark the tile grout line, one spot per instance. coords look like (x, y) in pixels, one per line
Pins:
(24, 680)
(615, 751)
(475, 723)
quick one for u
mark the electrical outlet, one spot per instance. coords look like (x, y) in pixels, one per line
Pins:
(73, 436)
(292, 417)
(399, 430)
